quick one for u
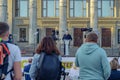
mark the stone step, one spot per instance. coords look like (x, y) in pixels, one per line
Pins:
(28, 51)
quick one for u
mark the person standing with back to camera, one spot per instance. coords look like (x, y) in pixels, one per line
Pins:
(14, 58)
(92, 60)
(48, 47)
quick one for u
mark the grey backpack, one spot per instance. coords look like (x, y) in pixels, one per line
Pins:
(49, 67)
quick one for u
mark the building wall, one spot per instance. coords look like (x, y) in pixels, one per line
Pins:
(72, 22)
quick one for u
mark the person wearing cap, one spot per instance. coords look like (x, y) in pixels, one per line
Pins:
(92, 60)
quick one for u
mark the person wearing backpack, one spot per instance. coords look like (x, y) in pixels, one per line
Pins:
(46, 62)
(10, 56)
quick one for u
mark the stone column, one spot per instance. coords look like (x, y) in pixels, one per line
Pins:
(62, 18)
(32, 21)
(117, 8)
(10, 9)
(87, 8)
(62, 22)
(94, 18)
(94, 15)
(3, 10)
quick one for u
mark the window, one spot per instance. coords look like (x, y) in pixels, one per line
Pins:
(106, 37)
(22, 34)
(78, 37)
(50, 8)
(77, 8)
(105, 8)
(22, 8)
(119, 36)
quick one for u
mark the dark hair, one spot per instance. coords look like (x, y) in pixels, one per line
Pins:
(4, 27)
(48, 46)
(30, 60)
(114, 64)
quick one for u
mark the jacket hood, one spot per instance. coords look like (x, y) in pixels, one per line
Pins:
(89, 48)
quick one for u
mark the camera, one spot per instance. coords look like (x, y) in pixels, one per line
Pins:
(86, 29)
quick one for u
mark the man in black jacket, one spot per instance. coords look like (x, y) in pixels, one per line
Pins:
(66, 36)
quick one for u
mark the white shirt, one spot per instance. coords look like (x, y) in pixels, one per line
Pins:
(74, 73)
(15, 56)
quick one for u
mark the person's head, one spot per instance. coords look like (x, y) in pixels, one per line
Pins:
(30, 60)
(4, 30)
(115, 58)
(10, 36)
(47, 45)
(66, 32)
(114, 64)
(91, 37)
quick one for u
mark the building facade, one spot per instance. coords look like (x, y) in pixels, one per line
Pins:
(46, 14)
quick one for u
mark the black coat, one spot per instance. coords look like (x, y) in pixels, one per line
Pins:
(67, 37)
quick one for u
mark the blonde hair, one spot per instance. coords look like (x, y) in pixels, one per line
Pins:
(114, 64)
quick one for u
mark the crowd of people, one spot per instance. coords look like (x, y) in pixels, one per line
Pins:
(46, 64)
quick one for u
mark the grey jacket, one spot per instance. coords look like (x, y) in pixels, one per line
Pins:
(35, 64)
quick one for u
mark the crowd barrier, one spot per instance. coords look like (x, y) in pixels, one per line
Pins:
(67, 62)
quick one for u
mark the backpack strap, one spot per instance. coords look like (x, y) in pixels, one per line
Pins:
(3, 52)
(4, 76)
(4, 56)
(40, 60)
(4, 45)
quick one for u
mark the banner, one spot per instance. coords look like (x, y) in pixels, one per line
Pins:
(67, 62)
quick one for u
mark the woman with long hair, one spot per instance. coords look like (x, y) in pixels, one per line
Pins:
(48, 47)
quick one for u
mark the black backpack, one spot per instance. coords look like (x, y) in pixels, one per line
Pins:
(49, 67)
(4, 61)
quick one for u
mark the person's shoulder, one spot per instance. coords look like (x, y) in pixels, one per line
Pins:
(102, 52)
(36, 56)
(27, 66)
(14, 49)
(118, 72)
(12, 45)
(69, 34)
(101, 49)
(115, 73)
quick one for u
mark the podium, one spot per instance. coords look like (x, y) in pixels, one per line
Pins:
(66, 47)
